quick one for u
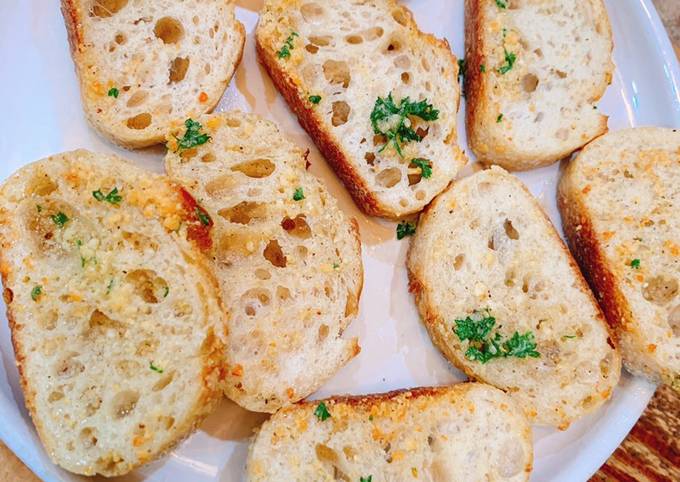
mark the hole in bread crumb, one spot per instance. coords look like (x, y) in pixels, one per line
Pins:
(529, 83)
(100, 324)
(400, 16)
(87, 437)
(219, 185)
(323, 332)
(370, 158)
(510, 230)
(660, 289)
(127, 368)
(282, 293)
(525, 284)
(354, 39)
(148, 286)
(106, 8)
(425, 63)
(458, 262)
(405, 77)
(207, 69)
(372, 33)
(311, 48)
(491, 244)
(137, 98)
(55, 396)
(178, 69)
(146, 347)
(208, 157)
(341, 112)
(510, 278)
(302, 251)
(124, 403)
(274, 254)
(674, 321)
(163, 382)
(297, 226)
(257, 168)
(244, 212)
(140, 121)
(403, 202)
(120, 38)
(69, 367)
(389, 177)
(420, 195)
(262, 274)
(311, 11)
(321, 41)
(169, 30)
(255, 298)
(351, 305)
(337, 72)
(539, 53)
(40, 185)
(560, 74)
(394, 46)
(562, 134)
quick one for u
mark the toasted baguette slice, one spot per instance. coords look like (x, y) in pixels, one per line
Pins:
(142, 64)
(486, 249)
(619, 201)
(542, 109)
(116, 324)
(349, 54)
(465, 432)
(288, 260)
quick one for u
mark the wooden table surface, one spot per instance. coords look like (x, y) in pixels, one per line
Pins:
(651, 452)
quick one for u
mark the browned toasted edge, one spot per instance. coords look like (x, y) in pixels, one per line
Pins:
(329, 147)
(431, 317)
(69, 10)
(211, 351)
(582, 239)
(475, 95)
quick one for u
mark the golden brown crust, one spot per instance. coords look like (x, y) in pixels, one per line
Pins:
(73, 25)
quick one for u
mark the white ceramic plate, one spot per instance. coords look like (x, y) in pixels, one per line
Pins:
(42, 115)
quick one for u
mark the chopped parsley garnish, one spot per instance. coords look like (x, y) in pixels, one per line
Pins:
(166, 291)
(424, 165)
(462, 68)
(109, 286)
(336, 265)
(404, 229)
(155, 368)
(36, 292)
(60, 219)
(112, 197)
(391, 120)
(113, 92)
(635, 263)
(322, 412)
(502, 3)
(299, 194)
(202, 216)
(38, 207)
(315, 99)
(192, 137)
(499, 118)
(510, 59)
(483, 347)
(284, 52)
(568, 337)
(366, 479)
(482, 68)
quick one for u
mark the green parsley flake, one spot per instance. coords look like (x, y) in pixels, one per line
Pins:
(109, 287)
(112, 197)
(510, 59)
(38, 207)
(315, 99)
(462, 68)
(36, 292)
(635, 263)
(166, 291)
(425, 167)
(502, 4)
(321, 412)
(391, 120)
(60, 219)
(155, 368)
(299, 194)
(284, 53)
(404, 229)
(336, 265)
(192, 137)
(113, 92)
(499, 118)
(202, 216)
(483, 347)
(568, 337)
(482, 68)
(366, 479)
